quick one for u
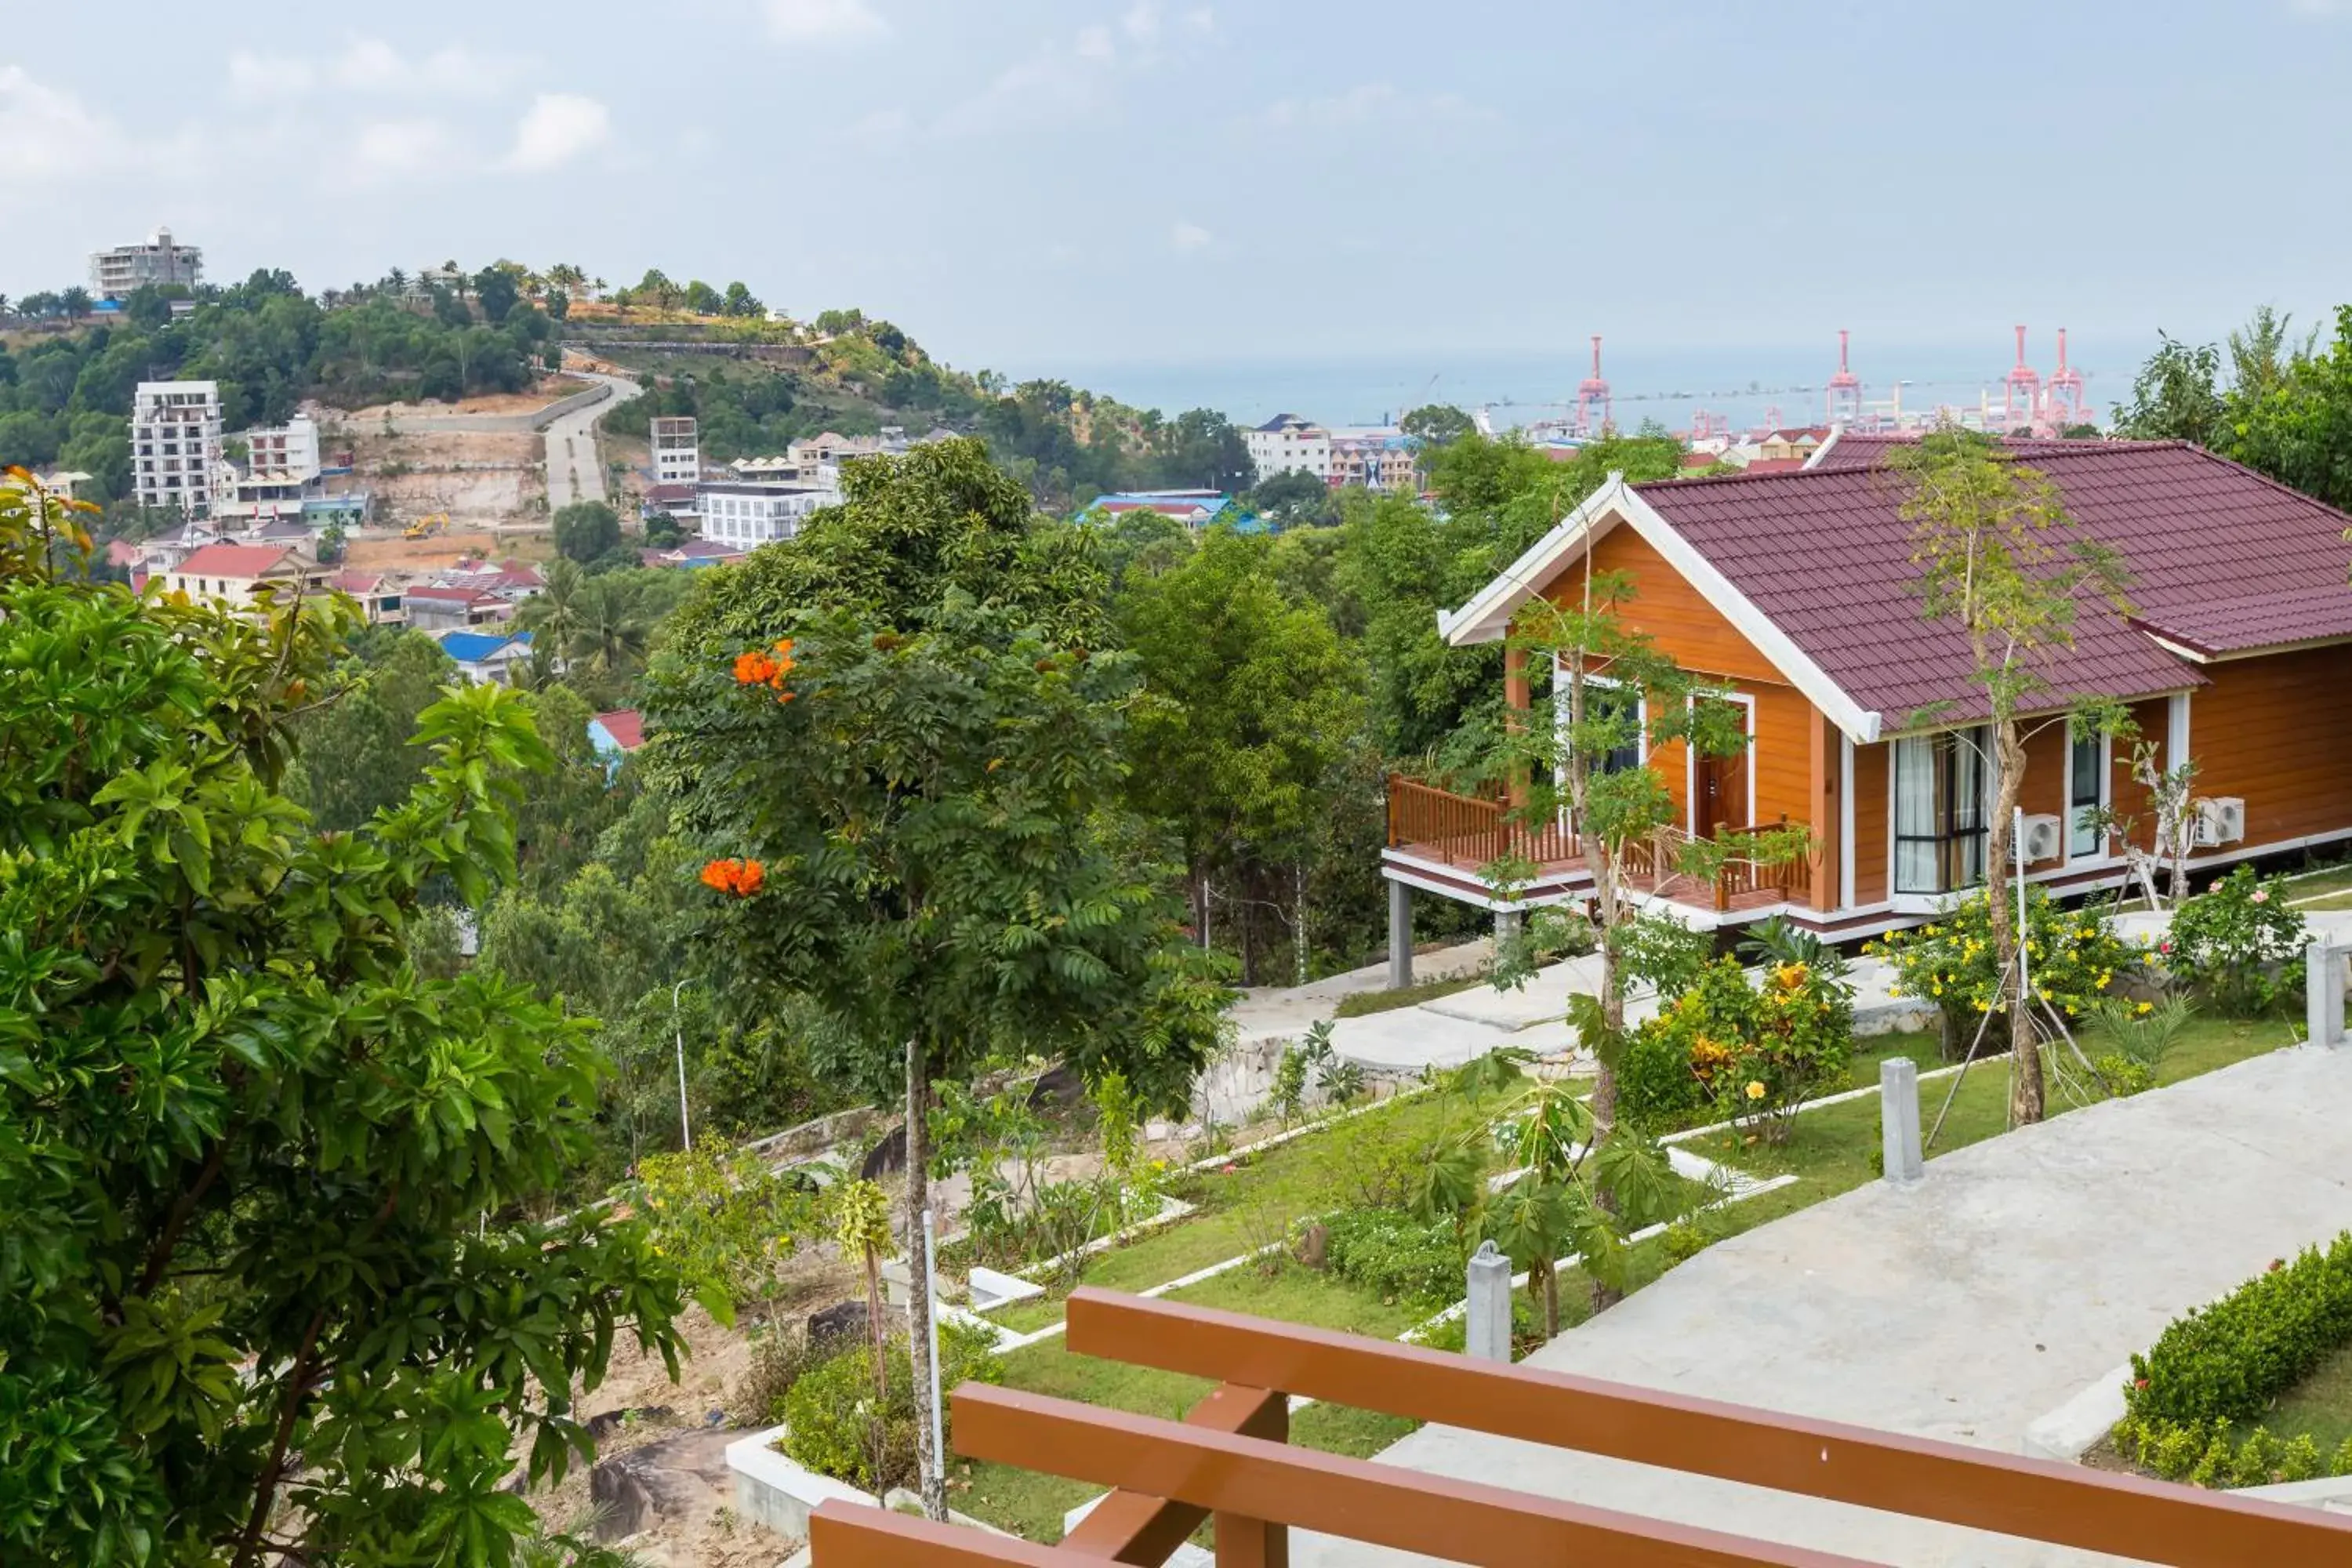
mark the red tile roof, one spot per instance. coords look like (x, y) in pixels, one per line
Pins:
(250, 561)
(626, 726)
(1774, 464)
(2220, 559)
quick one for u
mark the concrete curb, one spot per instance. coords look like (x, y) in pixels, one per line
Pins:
(2079, 1426)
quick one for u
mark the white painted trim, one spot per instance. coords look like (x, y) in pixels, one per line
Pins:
(1399, 867)
(2176, 741)
(1690, 755)
(1814, 458)
(1488, 616)
(1845, 808)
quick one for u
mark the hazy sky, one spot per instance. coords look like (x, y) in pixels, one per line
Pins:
(1021, 181)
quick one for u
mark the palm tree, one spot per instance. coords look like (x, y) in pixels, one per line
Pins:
(552, 615)
(4, 304)
(613, 634)
(75, 302)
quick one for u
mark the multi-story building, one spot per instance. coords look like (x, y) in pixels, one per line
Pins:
(284, 454)
(175, 446)
(749, 513)
(118, 273)
(235, 573)
(1377, 459)
(678, 452)
(1286, 444)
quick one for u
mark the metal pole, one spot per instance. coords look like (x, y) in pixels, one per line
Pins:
(2017, 843)
(931, 1295)
(685, 1132)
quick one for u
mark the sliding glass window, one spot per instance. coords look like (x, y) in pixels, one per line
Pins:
(2086, 788)
(1942, 792)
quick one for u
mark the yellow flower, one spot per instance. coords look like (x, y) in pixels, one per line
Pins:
(2144, 1008)
(1755, 1090)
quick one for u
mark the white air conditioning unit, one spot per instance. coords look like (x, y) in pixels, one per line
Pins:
(2046, 838)
(2219, 819)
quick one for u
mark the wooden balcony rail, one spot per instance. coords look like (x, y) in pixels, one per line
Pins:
(1227, 1461)
(1465, 830)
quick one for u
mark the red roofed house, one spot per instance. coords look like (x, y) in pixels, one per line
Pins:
(433, 607)
(233, 572)
(1792, 595)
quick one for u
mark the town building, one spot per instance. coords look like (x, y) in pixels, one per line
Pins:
(234, 574)
(377, 593)
(431, 606)
(1375, 458)
(1287, 443)
(1193, 508)
(613, 736)
(1791, 597)
(118, 273)
(749, 513)
(283, 453)
(678, 451)
(486, 659)
(689, 555)
(175, 446)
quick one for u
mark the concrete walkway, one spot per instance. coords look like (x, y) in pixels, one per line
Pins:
(2019, 1271)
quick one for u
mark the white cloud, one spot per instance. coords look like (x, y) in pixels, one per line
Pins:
(1142, 22)
(1200, 19)
(368, 66)
(393, 148)
(45, 132)
(1369, 103)
(560, 127)
(1189, 236)
(1095, 44)
(260, 79)
(823, 21)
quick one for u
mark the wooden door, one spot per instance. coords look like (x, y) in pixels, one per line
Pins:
(1719, 798)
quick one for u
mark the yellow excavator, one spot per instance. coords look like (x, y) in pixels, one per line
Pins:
(425, 527)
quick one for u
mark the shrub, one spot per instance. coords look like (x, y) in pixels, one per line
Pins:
(833, 1427)
(729, 1220)
(2239, 944)
(2122, 1074)
(2072, 957)
(1376, 1160)
(1754, 1051)
(2143, 1033)
(2228, 1362)
(1402, 1257)
(779, 1361)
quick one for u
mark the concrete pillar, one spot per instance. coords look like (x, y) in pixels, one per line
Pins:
(1898, 1118)
(1489, 1310)
(1400, 936)
(1507, 925)
(2323, 994)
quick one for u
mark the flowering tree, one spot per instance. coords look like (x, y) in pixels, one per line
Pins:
(901, 731)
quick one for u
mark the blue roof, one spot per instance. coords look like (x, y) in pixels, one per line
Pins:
(472, 647)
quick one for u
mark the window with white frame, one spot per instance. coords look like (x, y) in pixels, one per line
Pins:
(1942, 810)
(1604, 696)
(2086, 788)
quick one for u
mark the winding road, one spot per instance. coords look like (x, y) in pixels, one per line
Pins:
(573, 472)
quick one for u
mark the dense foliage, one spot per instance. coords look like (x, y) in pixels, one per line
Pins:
(1402, 1257)
(2224, 1364)
(2240, 943)
(271, 1197)
(2282, 408)
(1749, 1052)
(833, 1426)
(2073, 956)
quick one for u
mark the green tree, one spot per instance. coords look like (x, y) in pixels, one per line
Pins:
(2177, 396)
(2297, 424)
(1291, 499)
(496, 291)
(741, 301)
(265, 1189)
(912, 799)
(703, 300)
(356, 756)
(1437, 425)
(2000, 560)
(587, 530)
(1255, 705)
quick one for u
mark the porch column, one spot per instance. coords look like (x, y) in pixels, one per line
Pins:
(1826, 812)
(1514, 702)
(1400, 936)
(1507, 926)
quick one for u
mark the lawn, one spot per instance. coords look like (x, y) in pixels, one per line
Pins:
(2320, 1404)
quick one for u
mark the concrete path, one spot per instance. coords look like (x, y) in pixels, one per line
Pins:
(2019, 1271)
(573, 470)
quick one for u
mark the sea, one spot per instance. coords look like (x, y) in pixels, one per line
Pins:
(1748, 388)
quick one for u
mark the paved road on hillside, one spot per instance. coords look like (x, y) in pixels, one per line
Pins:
(574, 473)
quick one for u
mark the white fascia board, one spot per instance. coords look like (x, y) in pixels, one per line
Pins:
(1488, 616)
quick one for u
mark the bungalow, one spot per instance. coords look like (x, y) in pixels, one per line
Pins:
(431, 606)
(378, 595)
(1792, 595)
(485, 657)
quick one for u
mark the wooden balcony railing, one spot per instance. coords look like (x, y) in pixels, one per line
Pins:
(1230, 1462)
(1466, 830)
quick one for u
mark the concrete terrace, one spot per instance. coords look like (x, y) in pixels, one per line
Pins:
(2019, 1271)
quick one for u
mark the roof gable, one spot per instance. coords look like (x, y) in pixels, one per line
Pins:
(246, 561)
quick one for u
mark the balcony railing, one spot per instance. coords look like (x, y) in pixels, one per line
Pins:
(1469, 830)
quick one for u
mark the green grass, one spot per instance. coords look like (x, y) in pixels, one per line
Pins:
(2320, 1404)
(1356, 1004)
(2312, 884)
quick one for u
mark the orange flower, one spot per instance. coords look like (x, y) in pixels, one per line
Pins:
(753, 668)
(740, 877)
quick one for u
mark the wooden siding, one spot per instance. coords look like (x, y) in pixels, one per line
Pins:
(1870, 840)
(2277, 733)
(1783, 754)
(1688, 631)
(2131, 799)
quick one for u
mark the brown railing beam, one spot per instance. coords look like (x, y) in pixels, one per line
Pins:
(859, 1535)
(1133, 1528)
(2036, 1500)
(1461, 1521)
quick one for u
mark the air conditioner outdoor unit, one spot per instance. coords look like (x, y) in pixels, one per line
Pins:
(2046, 838)
(2211, 823)
(2230, 814)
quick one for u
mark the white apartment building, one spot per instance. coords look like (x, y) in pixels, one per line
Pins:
(746, 514)
(678, 452)
(175, 446)
(1286, 444)
(283, 453)
(118, 273)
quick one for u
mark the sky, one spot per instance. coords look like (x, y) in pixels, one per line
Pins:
(1054, 184)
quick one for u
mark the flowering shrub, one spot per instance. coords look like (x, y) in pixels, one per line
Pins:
(2072, 957)
(759, 668)
(2239, 944)
(740, 878)
(1403, 1258)
(1755, 1052)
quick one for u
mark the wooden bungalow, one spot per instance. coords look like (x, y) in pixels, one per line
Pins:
(1793, 596)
